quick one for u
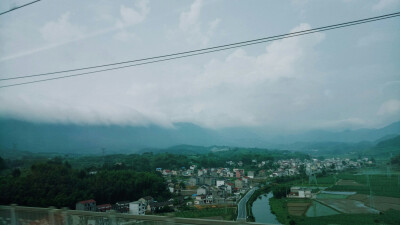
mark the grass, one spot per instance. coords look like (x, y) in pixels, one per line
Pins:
(326, 180)
(279, 208)
(226, 213)
(381, 185)
(389, 217)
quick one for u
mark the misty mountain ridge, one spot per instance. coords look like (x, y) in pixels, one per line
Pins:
(90, 139)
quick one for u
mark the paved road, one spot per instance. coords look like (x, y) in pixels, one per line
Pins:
(242, 215)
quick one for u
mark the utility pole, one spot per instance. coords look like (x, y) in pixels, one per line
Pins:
(388, 168)
(312, 178)
(371, 198)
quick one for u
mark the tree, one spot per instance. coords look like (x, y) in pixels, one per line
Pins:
(16, 172)
(2, 164)
(302, 170)
(182, 185)
(279, 192)
(395, 160)
(54, 184)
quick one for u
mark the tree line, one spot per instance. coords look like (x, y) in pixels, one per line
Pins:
(56, 183)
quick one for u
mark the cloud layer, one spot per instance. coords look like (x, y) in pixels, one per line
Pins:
(338, 80)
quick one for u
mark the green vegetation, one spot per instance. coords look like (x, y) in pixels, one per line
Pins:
(381, 185)
(385, 148)
(67, 179)
(55, 183)
(395, 161)
(2, 164)
(388, 217)
(148, 161)
(302, 180)
(279, 208)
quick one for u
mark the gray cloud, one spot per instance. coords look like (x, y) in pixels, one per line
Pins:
(307, 82)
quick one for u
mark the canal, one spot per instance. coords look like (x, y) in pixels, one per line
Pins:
(262, 211)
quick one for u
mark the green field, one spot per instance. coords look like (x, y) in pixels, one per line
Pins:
(317, 209)
(279, 207)
(389, 217)
(381, 185)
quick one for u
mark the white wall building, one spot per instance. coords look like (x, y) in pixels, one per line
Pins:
(202, 190)
(137, 208)
(220, 183)
(250, 174)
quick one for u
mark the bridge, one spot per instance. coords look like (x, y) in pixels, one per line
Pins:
(21, 215)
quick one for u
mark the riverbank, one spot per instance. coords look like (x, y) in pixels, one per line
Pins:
(261, 191)
(262, 210)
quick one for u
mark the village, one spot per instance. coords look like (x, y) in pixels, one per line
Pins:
(197, 186)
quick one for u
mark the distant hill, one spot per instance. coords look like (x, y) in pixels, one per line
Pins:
(326, 148)
(14, 154)
(72, 138)
(90, 139)
(181, 149)
(386, 147)
(353, 136)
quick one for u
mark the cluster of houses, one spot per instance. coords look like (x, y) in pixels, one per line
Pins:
(193, 171)
(224, 185)
(214, 185)
(287, 167)
(139, 207)
(292, 167)
(214, 172)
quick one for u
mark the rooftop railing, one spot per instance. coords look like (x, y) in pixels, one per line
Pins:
(21, 215)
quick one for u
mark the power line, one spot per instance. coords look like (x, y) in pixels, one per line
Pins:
(204, 49)
(19, 7)
(201, 51)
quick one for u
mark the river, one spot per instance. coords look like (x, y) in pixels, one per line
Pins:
(262, 211)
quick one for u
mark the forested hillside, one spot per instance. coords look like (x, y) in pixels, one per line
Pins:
(386, 148)
(57, 184)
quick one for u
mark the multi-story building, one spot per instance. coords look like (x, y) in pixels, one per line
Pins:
(137, 208)
(203, 190)
(87, 205)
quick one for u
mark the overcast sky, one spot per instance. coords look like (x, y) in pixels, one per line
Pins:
(341, 79)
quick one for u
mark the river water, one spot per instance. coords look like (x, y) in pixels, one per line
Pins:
(262, 211)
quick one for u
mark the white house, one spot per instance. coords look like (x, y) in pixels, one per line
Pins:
(202, 190)
(137, 208)
(220, 183)
(200, 173)
(299, 192)
(250, 174)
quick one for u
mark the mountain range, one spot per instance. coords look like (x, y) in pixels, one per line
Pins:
(91, 139)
